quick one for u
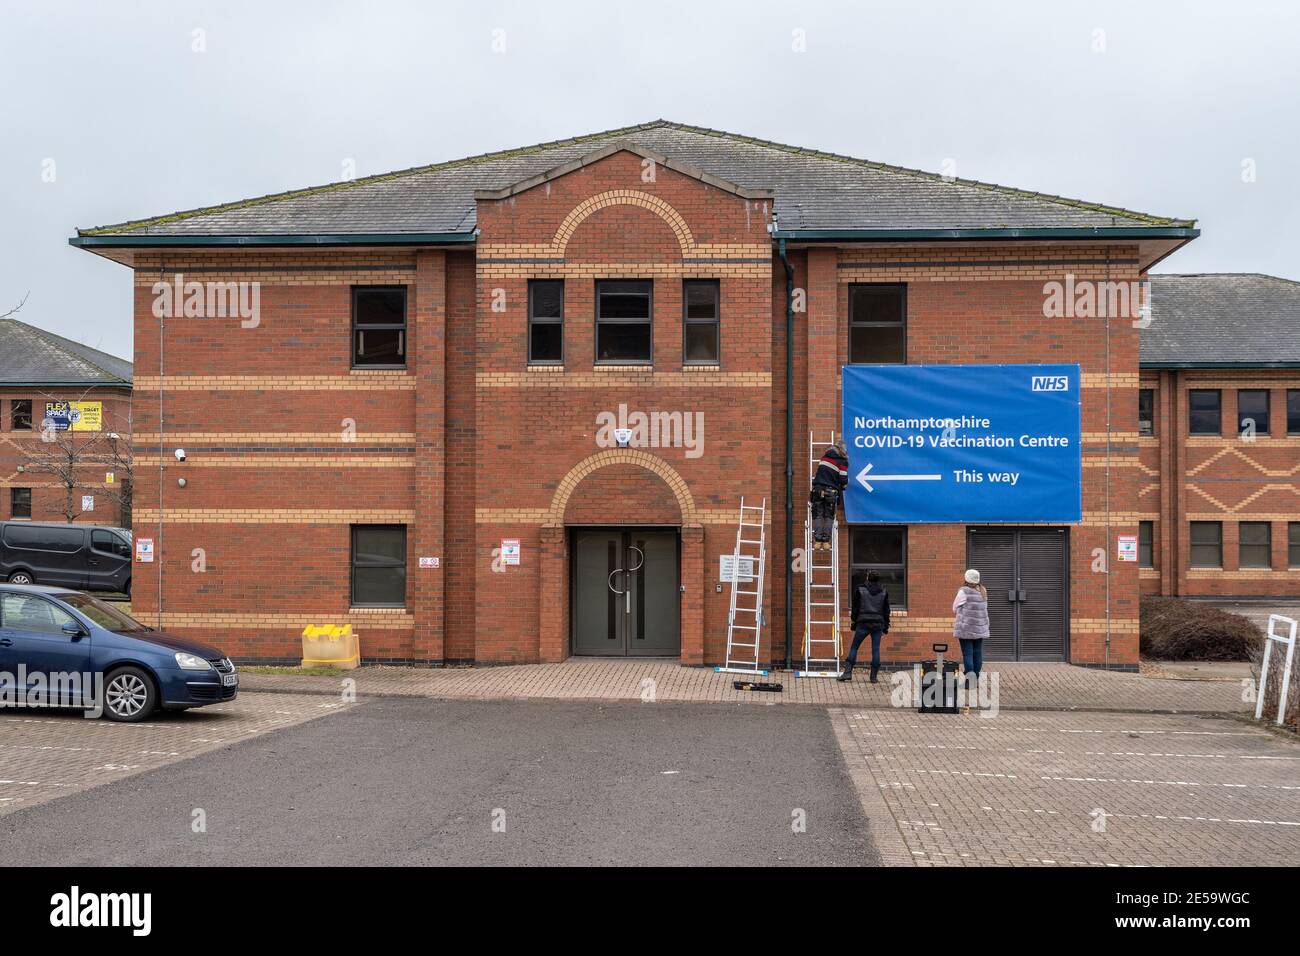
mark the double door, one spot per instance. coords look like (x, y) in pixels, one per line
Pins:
(625, 600)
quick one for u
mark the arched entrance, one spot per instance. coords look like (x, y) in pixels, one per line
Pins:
(622, 511)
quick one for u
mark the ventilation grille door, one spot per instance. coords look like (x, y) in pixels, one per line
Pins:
(1042, 583)
(993, 554)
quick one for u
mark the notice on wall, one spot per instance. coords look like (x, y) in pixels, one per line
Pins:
(144, 550)
(726, 564)
(109, 477)
(430, 562)
(87, 502)
(961, 443)
(510, 551)
(74, 416)
(1128, 547)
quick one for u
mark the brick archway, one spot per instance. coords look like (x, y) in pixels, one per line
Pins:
(553, 611)
(623, 197)
(621, 456)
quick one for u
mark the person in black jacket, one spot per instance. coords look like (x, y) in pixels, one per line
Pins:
(828, 482)
(870, 609)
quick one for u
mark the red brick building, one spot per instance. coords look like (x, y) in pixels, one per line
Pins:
(1219, 434)
(398, 397)
(47, 472)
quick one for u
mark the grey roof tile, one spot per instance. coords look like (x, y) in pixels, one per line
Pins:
(814, 190)
(1222, 319)
(32, 356)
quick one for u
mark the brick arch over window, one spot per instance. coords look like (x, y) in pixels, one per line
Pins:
(624, 197)
(621, 456)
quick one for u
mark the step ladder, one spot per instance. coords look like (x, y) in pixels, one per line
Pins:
(745, 618)
(821, 589)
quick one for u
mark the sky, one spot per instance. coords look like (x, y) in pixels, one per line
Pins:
(121, 109)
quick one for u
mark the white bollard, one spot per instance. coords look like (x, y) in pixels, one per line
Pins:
(1289, 641)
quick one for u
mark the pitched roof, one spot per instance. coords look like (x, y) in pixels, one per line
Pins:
(814, 191)
(1221, 320)
(32, 356)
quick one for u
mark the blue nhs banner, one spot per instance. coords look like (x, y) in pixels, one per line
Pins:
(962, 443)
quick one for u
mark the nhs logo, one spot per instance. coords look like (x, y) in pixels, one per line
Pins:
(1050, 383)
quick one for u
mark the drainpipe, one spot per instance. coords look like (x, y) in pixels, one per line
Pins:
(789, 441)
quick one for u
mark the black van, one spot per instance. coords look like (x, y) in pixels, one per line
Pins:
(82, 556)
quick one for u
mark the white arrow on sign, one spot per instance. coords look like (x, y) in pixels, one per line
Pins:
(862, 477)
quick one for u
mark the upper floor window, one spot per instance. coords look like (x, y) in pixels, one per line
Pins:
(546, 322)
(20, 414)
(1293, 411)
(623, 320)
(1146, 411)
(1146, 544)
(700, 315)
(1204, 416)
(20, 502)
(877, 324)
(1252, 411)
(379, 327)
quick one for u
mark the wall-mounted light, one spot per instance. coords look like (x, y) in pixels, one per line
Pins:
(180, 454)
(181, 482)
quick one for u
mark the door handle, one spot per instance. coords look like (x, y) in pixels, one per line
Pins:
(610, 580)
(1011, 596)
(6, 642)
(1022, 595)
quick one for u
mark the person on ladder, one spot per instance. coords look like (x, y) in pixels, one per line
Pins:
(828, 483)
(870, 611)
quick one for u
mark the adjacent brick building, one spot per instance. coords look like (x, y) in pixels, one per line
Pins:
(46, 470)
(409, 425)
(1220, 438)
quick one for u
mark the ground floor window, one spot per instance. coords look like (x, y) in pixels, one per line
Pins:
(20, 502)
(1293, 544)
(882, 549)
(1146, 544)
(1207, 544)
(379, 565)
(1254, 544)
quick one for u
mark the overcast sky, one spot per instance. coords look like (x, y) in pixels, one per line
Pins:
(1164, 107)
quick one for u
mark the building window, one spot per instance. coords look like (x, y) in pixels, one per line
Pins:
(1293, 544)
(1146, 544)
(546, 322)
(379, 327)
(877, 324)
(623, 311)
(20, 415)
(1254, 544)
(1293, 411)
(1146, 411)
(1207, 544)
(20, 502)
(700, 316)
(379, 565)
(1204, 411)
(1252, 411)
(882, 549)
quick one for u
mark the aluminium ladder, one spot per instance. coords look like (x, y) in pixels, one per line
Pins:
(821, 591)
(745, 620)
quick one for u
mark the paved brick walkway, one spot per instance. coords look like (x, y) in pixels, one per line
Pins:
(1031, 788)
(1021, 686)
(45, 754)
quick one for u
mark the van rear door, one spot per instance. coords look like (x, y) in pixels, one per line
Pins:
(54, 554)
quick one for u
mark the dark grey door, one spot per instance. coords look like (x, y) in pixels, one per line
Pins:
(1024, 571)
(625, 592)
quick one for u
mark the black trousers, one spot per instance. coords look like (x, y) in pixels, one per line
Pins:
(824, 504)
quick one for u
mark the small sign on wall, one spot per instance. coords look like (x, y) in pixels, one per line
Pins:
(87, 502)
(1128, 547)
(745, 572)
(430, 562)
(510, 551)
(144, 550)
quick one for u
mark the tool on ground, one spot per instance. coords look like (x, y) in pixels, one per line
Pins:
(937, 687)
(756, 685)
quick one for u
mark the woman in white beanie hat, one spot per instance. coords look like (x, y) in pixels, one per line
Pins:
(971, 622)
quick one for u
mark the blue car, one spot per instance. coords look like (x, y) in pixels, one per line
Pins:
(64, 648)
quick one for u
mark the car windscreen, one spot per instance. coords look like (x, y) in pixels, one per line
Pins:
(103, 613)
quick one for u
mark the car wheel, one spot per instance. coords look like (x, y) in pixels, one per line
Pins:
(129, 695)
(21, 577)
